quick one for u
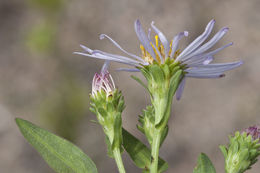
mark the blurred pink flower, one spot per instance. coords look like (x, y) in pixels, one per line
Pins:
(254, 131)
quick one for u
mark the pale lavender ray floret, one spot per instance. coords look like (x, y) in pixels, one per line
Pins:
(154, 46)
(144, 39)
(175, 41)
(196, 57)
(163, 39)
(197, 42)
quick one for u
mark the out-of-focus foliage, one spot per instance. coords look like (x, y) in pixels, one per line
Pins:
(47, 5)
(65, 107)
(41, 37)
(66, 104)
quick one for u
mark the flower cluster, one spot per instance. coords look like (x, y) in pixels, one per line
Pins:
(165, 68)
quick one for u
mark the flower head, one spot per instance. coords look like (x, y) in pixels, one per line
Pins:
(254, 131)
(107, 103)
(242, 151)
(103, 81)
(195, 60)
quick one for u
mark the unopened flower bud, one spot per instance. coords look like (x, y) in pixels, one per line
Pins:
(242, 151)
(103, 81)
(107, 103)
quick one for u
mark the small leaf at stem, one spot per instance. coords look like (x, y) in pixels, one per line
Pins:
(139, 153)
(223, 150)
(140, 82)
(204, 165)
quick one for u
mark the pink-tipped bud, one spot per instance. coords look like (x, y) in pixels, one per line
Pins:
(103, 81)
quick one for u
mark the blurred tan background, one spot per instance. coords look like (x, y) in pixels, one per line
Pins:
(43, 82)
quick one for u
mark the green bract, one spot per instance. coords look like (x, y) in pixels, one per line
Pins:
(162, 83)
(147, 125)
(108, 111)
(241, 153)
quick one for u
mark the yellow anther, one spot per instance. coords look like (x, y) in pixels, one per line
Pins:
(157, 41)
(177, 53)
(170, 51)
(157, 56)
(143, 50)
(162, 50)
(171, 44)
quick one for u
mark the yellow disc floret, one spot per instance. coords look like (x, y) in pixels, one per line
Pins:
(159, 48)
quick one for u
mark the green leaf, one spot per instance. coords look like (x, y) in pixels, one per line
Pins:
(166, 70)
(157, 73)
(60, 154)
(174, 83)
(139, 153)
(164, 134)
(140, 82)
(175, 69)
(204, 165)
(102, 112)
(117, 142)
(109, 148)
(145, 72)
(223, 150)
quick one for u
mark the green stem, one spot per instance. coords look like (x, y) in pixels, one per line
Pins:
(118, 159)
(155, 151)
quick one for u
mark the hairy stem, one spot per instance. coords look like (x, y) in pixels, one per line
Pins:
(118, 159)
(155, 152)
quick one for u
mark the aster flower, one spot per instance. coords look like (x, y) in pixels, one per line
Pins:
(195, 60)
